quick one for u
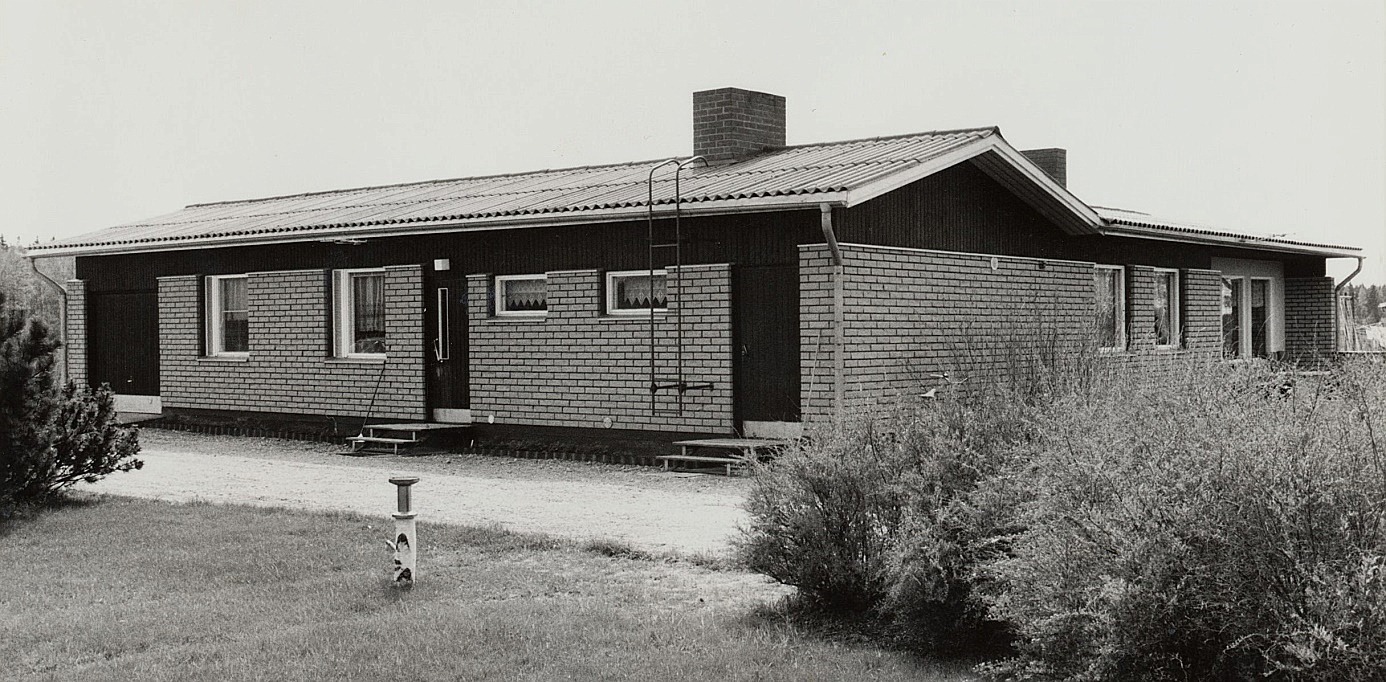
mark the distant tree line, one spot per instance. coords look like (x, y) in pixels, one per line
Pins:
(1366, 302)
(26, 289)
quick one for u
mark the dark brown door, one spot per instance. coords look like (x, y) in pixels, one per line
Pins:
(446, 341)
(765, 333)
(123, 341)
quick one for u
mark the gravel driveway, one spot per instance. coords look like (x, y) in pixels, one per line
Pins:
(648, 508)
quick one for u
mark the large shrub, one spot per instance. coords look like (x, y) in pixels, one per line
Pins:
(50, 439)
(1209, 521)
(1229, 527)
(876, 519)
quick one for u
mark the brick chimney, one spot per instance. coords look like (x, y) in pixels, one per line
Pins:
(730, 124)
(1053, 161)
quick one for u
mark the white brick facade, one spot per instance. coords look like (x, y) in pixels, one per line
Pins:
(577, 366)
(290, 368)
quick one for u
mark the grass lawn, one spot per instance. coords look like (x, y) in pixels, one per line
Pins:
(127, 589)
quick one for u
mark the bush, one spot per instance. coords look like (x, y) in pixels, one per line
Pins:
(1233, 528)
(821, 519)
(49, 439)
(1217, 521)
(876, 520)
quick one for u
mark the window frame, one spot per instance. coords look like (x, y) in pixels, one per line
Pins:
(343, 321)
(1120, 313)
(498, 304)
(1176, 322)
(1246, 331)
(215, 320)
(611, 278)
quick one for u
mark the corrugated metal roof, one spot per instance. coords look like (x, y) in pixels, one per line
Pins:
(784, 178)
(790, 172)
(1121, 216)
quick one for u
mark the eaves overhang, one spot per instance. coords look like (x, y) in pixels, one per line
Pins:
(1187, 236)
(403, 229)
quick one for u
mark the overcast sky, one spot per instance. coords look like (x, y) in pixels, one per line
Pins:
(1267, 117)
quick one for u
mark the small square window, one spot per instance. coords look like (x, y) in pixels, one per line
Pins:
(1110, 322)
(228, 315)
(1166, 308)
(359, 315)
(636, 292)
(522, 295)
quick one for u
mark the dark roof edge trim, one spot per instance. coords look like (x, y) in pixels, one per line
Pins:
(1244, 242)
(741, 206)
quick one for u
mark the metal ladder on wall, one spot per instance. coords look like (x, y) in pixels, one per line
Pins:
(677, 383)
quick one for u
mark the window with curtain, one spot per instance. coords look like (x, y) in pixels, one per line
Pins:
(1167, 308)
(636, 292)
(522, 295)
(1110, 321)
(228, 315)
(360, 313)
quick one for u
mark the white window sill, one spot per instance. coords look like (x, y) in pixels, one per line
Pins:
(521, 317)
(351, 360)
(245, 357)
(634, 315)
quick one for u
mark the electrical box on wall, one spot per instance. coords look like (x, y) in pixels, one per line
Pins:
(442, 265)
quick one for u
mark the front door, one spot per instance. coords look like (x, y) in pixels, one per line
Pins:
(123, 347)
(446, 347)
(765, 331)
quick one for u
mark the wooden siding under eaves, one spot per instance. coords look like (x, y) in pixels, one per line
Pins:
(746, 239)
(963, 209)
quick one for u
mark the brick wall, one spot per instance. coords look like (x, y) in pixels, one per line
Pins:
(76, 329)
(577, 366)
(1201, 305)
(1309, 317)
(290, 368)
(911, 313)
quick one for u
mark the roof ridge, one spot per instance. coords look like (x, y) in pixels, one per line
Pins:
(591, 167)
(882, 138)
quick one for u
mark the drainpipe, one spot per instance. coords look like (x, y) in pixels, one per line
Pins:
(62, 316)
(826, 216)
(1337, 290)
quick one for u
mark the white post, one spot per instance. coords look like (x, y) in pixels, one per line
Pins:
(405, 544)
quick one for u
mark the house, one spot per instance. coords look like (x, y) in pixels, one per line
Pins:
(750, 291)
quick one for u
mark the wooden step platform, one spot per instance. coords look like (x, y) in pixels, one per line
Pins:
(392, 436)
(739, 453)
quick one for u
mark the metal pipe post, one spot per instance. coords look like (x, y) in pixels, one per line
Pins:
(406, 543)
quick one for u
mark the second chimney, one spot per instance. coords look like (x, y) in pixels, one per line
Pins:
(730, 124)
(1053, 161)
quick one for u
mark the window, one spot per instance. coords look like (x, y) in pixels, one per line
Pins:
(228, 315)
(522, 295)
(1232, 317)
(636, 292)
(359, 297)
(1246, 319)
(1166, 308)
(1110, 322)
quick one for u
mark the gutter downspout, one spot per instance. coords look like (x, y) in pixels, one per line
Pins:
(1337, 322)
(62, 316)
(826, 216)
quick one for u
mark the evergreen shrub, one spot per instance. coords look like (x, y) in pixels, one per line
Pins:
(50, 438)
